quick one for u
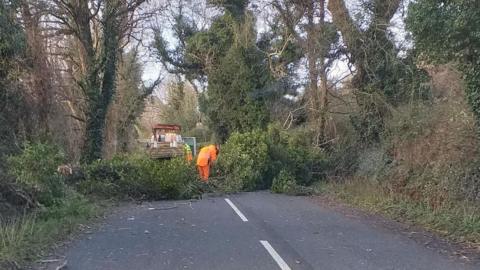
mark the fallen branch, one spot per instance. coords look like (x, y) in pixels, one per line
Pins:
(49, 261)
(62, 266)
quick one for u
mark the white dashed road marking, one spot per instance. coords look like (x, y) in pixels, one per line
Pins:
(281, 263)
(242, 216)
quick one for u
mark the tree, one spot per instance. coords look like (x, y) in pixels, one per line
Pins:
(12, 54)
(236, 71)
(180, 106)
(226, 55)
(101, 29)
(380, 76)
(175, 61)
(446, 31)
(39, 77)
(306, 24)
(127, 105)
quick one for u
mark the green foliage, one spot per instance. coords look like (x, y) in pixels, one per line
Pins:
(421, 171)
(128, 101)
(176, 60)
(369, 122)
(284, 182)
(293, 151)
(181, 106)
(446, 30)
(35, 169)
(236, 73)
(139, 177)
(243, 161)
(12, 52)
(234, 7)
(388, 80)
(470, 183)
(207, 47)
(227, 55)
(252, 160)
(12, 41)
(99, 82)
(28, 237)
(472, 79)
(459, 221)
(230, 103)
(449, 31)
(384, 75)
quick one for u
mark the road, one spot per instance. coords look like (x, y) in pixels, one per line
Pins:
(248, 231)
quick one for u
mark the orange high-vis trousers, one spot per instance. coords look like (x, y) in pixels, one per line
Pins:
(204, 172)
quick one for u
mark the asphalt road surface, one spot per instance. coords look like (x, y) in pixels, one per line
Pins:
(248, 231)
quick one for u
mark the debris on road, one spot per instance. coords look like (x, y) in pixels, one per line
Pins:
(49, 261)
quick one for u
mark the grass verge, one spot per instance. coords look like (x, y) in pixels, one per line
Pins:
(458, 220)
(27, 238)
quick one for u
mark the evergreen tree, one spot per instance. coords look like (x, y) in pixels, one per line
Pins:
(236, 70)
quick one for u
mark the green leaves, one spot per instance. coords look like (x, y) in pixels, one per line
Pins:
(138, 177)
(284, 182)
(243, 161)
(450, 31)
(181, 106)
(231, 104)
(12, 52)
(35, 169)
(236, 74)
(253, 160)
(235, 7)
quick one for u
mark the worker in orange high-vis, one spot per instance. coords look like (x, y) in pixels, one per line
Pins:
(205, 159)
(203, 163)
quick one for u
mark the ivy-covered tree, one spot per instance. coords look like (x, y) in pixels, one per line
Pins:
(446, 31)
(381, 77)
(100, 30)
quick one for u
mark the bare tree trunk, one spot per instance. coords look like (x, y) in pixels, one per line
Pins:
(324, 82)
(323, 106)
(316, 45)
(313, 97)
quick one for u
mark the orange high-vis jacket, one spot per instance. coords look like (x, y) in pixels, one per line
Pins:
(203, 157)
(213, 152)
